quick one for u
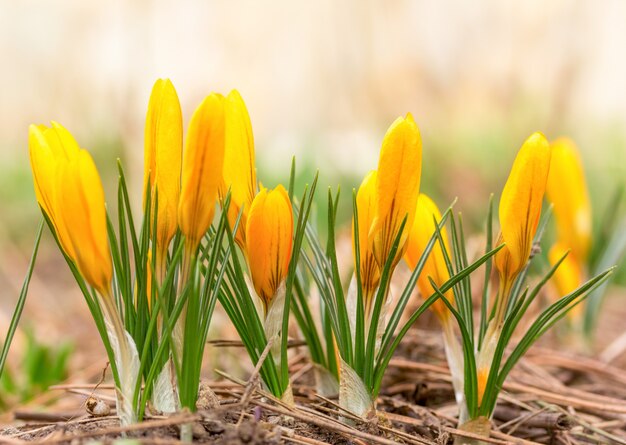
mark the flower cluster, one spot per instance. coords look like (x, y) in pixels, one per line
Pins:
(152, 288)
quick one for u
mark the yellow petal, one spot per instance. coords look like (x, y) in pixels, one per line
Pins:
(49, 148)
(269, 233)
(82, 208)
(239, 170)
(366, 209)
(162, 158)
(569, 276)
(202, 169)
(397, 186)
(435, 267)
(567, 190)
(520, 204)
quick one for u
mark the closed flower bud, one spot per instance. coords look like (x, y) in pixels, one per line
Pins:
(48, 148)
(269, 235)
(202, 169)
(69, 190)
(520, 205)
(397, 187)
(162, 160)
(239, 173)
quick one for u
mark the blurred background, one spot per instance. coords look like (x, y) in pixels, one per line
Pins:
(322, 81)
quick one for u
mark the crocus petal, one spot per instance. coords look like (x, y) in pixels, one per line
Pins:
(435, 267)
(162, 158)
(81, 206)
(366, 209)
(50, 147)
(202, 169)
(239, 170)
(269, 233)
(569, 275)
(397, 186)
(567, 191)
(520, 204)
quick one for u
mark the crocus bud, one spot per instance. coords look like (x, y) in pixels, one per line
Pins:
(397, 187)
(239, 173)
(48, 148)
(69, 190)
(520, 205)
(162, 160)
(269, 235)
(202, 169)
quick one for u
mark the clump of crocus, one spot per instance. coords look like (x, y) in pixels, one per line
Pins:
(154, 329)
(567, 191)
(361, 323)
(385, 209)
(69, 191)
(258, 302)
(485, 364)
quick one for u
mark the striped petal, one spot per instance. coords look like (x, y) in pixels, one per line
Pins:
(366, 209)
(162, 159)
(520, 204)
(202, 169)
(397, 186)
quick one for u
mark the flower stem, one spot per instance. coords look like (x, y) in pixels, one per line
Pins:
(126, 359)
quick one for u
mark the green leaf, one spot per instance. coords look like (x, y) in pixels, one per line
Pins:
(17, 313)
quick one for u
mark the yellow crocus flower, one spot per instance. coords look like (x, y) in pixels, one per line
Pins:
(520, 204)
(567, 191)
(519, 212)
(82, 208)
(69, 190)
(366, 208)
(202, 169)
(48, 148)
(386, 196)
(397, 187)
(269, 235)
(239, 171)
(435, 266)
(162, 162)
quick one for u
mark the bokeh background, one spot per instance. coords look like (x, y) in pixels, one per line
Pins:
(322, 81)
